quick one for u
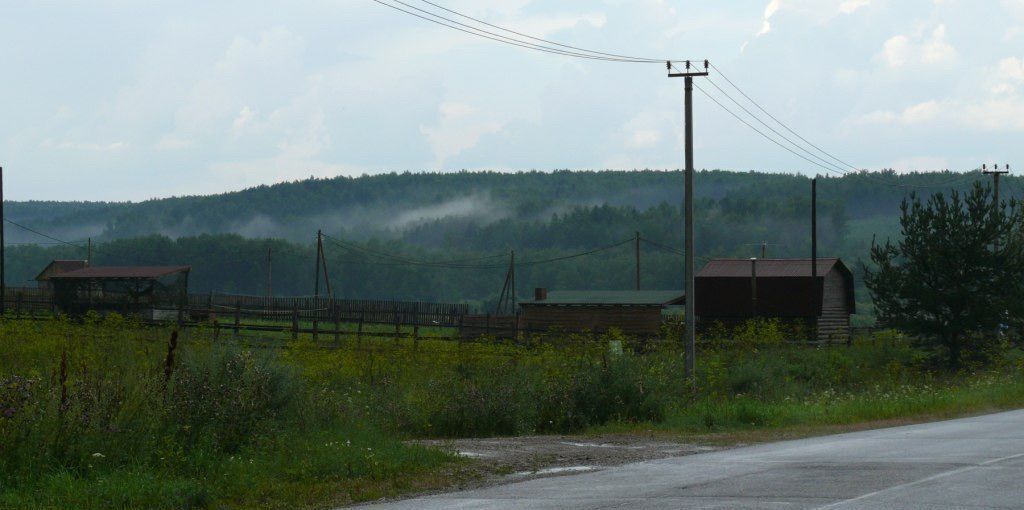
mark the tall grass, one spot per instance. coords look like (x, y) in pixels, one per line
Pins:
(109, 414)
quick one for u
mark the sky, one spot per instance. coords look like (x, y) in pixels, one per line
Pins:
(136, 99)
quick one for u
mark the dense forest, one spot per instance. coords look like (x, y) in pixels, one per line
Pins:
(448, 237)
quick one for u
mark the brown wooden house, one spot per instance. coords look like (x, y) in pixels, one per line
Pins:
(734, 290)
(633, 312)
(55, 268)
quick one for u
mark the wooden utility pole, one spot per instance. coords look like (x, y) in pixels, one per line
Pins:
(815, 300)
(3, 274)
(316, 284)
(638, 260)
(995, 173)
(270, 269)
(512, 267)
(691, 315)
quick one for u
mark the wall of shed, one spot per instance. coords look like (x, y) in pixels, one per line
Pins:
(631, 320)
(834, 322)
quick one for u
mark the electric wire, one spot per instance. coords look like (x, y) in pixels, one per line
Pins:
(457, 13)
(479, 32)
(38, 233)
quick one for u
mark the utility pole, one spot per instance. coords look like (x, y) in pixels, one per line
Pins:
(270, 268)
(3, 274)
(319, 253)
(815, 301)
(638, 260)
(764, 249)
(691, 315)
(995, 173)
(512, 267)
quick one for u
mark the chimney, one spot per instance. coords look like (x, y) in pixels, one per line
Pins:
(540, 294)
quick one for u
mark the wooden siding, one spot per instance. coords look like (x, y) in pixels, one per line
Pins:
(631, 320)
(834, 322)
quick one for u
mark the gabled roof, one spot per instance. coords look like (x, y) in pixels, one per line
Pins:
(138, 272)
(767, 268)
(611, 297)
(59, 266)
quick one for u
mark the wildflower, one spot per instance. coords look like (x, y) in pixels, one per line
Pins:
(98, 455)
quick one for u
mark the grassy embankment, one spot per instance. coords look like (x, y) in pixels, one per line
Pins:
(90, 418)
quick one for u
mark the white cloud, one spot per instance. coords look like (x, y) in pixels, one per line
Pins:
(245, 116)
(84, 146)
(849, 6)
(769, 11)
(171, 142)
(644, 139)
(457, 129)
(920, 164)
(922, 48)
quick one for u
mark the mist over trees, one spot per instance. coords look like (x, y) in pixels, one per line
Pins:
(469, 215)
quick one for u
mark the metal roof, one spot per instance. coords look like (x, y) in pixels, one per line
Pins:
(60, 266)
(611, 297)
(766, 268)
(141, 272)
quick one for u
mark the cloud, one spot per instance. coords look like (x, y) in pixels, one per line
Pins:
(644, 139)
(457, 129)
(84, 146)
(922, 48)
(849, 6)
(769, 11)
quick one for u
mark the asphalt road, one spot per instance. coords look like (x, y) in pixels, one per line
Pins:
(967, 463)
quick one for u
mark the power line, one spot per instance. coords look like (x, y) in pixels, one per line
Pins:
(479, 32)
(652, 60)
(38, 233)
(548, 46)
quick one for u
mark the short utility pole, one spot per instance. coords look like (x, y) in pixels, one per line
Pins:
(3, 275)
(995, 173)
(691, 315)
(638, 261)
(815, 299)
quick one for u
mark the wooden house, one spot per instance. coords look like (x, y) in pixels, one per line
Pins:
(57, 267)
(734, 290)
(633, 312)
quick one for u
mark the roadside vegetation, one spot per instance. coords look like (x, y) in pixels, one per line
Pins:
(112, 414)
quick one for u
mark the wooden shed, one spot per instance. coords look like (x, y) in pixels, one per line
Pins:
(734, 290)
(633, 312)
(154, 292)
(57, 267)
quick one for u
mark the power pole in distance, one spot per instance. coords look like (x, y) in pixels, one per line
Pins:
(691, 315)
(815, 300)
(3, 275)
(995, 173)
(638, 260)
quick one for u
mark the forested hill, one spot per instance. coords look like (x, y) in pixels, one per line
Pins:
(430, 216)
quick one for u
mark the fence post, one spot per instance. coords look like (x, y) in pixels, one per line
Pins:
(295, 320)
(238, 316)
(398, 322)
(416, 326)
(337, 324)
(487, 325)
(316, 318)
(17, 304)
(358, 332)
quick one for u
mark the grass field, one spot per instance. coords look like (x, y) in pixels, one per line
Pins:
(105, 415)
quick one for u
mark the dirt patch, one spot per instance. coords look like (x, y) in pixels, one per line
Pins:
(503, 460)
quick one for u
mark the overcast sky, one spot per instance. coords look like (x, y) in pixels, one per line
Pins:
(129, 99)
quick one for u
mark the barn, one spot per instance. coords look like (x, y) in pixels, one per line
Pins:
(55, 268)
(154, 292)
(634, 312)
(733, 290)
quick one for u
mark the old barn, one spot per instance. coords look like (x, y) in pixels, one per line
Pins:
(55, 268)
(633, 312)
(154, 292)
(733, 290)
